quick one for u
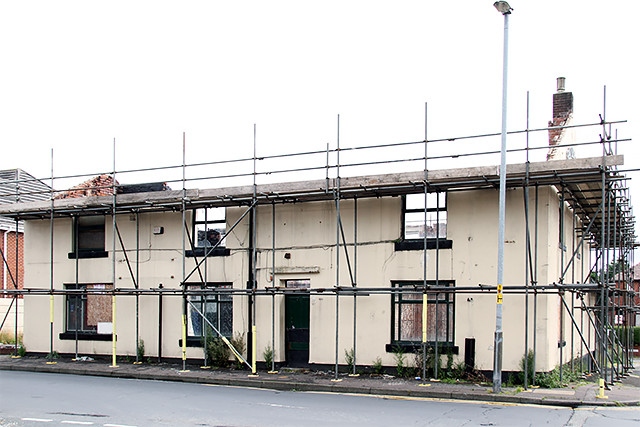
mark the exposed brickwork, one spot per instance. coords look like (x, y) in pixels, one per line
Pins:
(562, 114)
(101, 185)
(9, 253)
(562, 104)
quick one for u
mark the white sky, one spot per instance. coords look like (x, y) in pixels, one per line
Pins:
(75, 75)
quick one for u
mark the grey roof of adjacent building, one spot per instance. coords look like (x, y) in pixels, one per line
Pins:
(18, 186)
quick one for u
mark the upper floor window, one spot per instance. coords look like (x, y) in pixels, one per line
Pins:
(88, 237)
(209, 227)
(419, 222)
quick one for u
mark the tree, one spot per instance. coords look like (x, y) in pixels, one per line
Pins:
(611, 272)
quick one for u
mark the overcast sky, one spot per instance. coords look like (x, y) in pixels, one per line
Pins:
(77, 75)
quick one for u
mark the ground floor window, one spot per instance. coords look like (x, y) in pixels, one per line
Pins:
(406, 313)
(90, 309)
(209, 306)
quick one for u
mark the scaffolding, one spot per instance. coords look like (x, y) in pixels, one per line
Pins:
(593, 189)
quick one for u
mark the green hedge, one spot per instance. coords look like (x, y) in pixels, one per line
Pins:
(635, 334)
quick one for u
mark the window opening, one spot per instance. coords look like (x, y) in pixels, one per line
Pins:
(210, 227)
(407, 314)
(414, 216)
(217, 308)
(89, 234)
(86, 311)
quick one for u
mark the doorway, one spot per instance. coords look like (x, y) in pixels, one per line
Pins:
(296, 313)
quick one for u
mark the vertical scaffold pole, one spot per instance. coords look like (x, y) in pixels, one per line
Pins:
(51, 278)
(184, 225)
(113, 259)
(337, 202)
(355, 281)
(424, 253)
(273, 285)
(527, 256)
(254, 257)
(137, 285)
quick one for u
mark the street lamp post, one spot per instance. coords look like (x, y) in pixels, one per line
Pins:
(504, 8)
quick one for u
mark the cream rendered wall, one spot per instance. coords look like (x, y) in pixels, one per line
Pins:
(160, 262)
(307, 231)
(473, 230)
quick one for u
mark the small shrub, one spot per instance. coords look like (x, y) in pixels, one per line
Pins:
(377, 366)
(530, 370)
(418, 361)
(399, 356)
(350, 358)
(552, 378)
(238, 342)
(9, 338)
(53, 356)
(218, 352)
(267, 354)
(456, 371)
(140, 349)
(22, 351)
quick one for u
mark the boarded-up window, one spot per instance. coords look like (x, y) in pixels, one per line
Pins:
(407, 306)
(87, 306)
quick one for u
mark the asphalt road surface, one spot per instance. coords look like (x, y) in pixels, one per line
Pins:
(40, 399)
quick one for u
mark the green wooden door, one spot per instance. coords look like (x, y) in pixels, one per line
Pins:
(296, 309)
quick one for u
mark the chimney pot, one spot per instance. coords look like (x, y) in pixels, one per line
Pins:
(560, 84)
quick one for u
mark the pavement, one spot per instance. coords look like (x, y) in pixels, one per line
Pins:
(623, 393)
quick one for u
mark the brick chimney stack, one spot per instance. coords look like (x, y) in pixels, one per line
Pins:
(562, 116)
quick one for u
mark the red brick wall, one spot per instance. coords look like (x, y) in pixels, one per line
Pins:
(9, 253)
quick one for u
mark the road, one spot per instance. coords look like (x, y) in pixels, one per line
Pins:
(40, 399)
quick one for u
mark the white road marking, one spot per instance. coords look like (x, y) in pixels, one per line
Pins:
(117, 425)
(37, 420)
(82, 423)
(277, 405)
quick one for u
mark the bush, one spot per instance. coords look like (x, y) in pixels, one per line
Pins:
(530, 368)
(9, 338)
(267, 354)
(634, 332)
(377, 366)
(240, 345)
(350, 358)
(399, 357)
(218, 352)
(549, 379)
(140, 349)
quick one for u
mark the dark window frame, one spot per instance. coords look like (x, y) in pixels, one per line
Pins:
(223, 306)
(90, 231)
(414, 244)
(202, 246)
(81, 301)
(399, 299)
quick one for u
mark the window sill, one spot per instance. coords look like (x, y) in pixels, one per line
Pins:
(193, 342)
(199, 252)
(86, 336)
(412, 347)
(89, 254)
(418, 244)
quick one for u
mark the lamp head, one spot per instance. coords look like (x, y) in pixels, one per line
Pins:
(503, 7)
